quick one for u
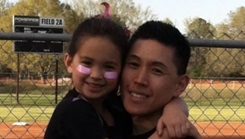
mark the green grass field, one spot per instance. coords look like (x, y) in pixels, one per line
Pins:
(40, 108)
(36, 103)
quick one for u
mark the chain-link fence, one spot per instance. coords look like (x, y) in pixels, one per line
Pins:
(31, 84)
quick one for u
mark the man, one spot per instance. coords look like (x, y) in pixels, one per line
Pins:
(154, 73)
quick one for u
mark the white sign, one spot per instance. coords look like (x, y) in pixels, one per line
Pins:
(51, 22)
(41, 25)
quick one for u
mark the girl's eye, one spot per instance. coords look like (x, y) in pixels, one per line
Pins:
(87, 63)
(110, 67)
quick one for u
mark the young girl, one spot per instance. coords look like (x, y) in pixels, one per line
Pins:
(94, 58)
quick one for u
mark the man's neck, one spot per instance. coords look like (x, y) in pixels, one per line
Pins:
(143, 124)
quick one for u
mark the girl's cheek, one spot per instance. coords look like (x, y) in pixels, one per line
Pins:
(111, 75)
(84, 70)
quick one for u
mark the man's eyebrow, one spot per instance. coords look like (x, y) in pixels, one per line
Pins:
(158, 63)
(154, 63)
(133, 56)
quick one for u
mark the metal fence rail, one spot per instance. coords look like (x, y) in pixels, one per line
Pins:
(66, 37)
(31, 84)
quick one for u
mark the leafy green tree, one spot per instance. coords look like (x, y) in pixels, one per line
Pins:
(123, 11)
(198, 28)
(72, 18)
(234, 27)
(229, 62)
(6, 56)
(167, 20)
(43, 8)
(4, 5)
(225, 62)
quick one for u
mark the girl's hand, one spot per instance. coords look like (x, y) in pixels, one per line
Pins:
(176, 123)
(164, 135)
(174, 118)
(192, 133)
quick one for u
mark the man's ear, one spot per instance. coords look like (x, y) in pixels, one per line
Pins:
(182, 84)
(68, 62)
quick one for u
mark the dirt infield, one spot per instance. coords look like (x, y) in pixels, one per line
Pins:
(215, 130)
(221, 130)
(30, 131)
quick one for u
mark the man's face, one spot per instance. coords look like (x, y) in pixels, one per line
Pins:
(150, 78)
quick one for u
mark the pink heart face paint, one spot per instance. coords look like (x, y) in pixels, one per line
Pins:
(87, 71)
(111, 75)
(83, 69)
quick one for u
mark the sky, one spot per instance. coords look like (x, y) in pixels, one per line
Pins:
(213, 11)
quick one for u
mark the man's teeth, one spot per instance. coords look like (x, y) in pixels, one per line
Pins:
(138, 95)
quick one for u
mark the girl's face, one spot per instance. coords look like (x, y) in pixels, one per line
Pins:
(95, 67)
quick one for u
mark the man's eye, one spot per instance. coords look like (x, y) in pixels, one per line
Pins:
(157, 71)
(133, 64)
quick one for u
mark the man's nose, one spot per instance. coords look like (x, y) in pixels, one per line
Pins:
(141, 76)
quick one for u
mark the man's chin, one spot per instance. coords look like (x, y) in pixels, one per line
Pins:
(135, 111)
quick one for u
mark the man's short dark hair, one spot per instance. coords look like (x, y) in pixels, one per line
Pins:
(168, 35)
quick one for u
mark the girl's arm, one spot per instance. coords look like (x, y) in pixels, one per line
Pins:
(175, 118)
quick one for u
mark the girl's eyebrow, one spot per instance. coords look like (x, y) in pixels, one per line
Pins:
(112, 62)
(85, 57)
(107, 62)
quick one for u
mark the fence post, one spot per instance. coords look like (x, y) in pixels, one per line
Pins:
(18, 78)
(56, 78)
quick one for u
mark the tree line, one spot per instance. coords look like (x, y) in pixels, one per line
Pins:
(205, 62)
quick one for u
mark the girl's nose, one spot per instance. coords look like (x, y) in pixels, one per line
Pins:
(97, 73)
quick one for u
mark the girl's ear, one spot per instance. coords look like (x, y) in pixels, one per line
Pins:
(182, 84)
(68, 62)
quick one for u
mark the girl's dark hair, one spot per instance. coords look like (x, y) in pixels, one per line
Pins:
(99, 26)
